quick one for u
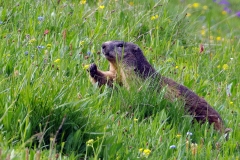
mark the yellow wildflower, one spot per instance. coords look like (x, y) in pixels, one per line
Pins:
(57, 60)
(90, 142)
(225, 67)
(218, 66)
(205, 7)
(154, 17)
(178, 135)
(32, 40)
(196, 5)
(81, 43)
(224, 12)
(49, 45)
(169, 60)
(102, 7)
(176, 67)
(219, 38)
(86, 66)
(83, 1)
(135, 119)
(146, 152)
(231, 102)
(188, 14)
(140, 150)
(131, 3)
(203, 32)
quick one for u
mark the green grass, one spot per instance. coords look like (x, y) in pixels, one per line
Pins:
(50, 109)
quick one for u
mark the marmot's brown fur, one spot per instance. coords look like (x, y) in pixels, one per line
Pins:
(125, 56)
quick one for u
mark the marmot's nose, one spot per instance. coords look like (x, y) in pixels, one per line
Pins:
(104, 46)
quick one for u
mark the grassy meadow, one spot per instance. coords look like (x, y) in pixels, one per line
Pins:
(49, 109)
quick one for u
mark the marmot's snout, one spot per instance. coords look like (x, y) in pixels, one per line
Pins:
(110, 46)
(112, 49)
(106, 49)
(103, 46)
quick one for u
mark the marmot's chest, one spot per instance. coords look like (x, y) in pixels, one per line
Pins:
(120, 74)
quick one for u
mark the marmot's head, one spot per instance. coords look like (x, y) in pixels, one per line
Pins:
(129, 54)
(119, 50)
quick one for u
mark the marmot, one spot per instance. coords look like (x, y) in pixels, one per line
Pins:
(125, 56)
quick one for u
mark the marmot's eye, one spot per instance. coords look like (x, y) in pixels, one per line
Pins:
(120, 45)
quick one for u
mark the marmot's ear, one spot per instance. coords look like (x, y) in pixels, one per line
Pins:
(136, 48)
(137, 51)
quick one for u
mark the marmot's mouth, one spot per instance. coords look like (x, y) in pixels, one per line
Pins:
(108, 55)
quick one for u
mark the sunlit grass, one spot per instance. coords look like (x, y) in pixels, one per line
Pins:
(50, 109)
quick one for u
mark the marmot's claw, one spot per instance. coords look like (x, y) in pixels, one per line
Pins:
(93, 69)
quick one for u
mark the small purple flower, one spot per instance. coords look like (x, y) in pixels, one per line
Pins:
(40, 47)
(172, 147)
(89, 53)
(224, 3)
(228, 10)
(189, 133)
(238, 13)
(40, 18)
(26, 53)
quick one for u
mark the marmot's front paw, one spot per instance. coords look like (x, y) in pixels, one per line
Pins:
(93, 69)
